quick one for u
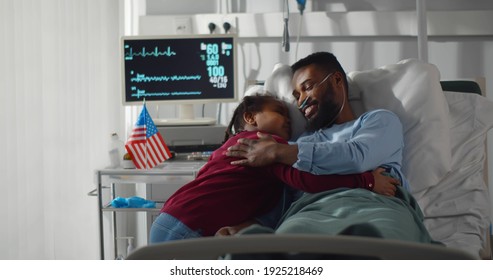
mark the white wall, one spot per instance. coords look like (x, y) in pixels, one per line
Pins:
(455, 56)
(59, 103)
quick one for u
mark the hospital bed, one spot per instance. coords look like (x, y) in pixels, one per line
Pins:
(445, 125)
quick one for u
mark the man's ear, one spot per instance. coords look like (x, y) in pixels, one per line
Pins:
(249, 118)
(339, 79)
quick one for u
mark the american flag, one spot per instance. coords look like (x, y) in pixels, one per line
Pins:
(146, 145)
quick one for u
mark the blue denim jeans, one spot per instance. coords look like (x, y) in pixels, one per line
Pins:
(166, 228)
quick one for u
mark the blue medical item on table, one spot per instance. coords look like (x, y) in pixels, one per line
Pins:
(132, 202)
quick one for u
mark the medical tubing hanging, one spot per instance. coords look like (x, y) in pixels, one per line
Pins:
(298, 37)
(301, 5)
(301, 8)
(285, 35)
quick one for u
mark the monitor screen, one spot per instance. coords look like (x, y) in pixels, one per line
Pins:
(176, 69)
(179, 69)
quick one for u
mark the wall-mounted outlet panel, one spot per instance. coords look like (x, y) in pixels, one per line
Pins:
(325, 24)
(202, 23)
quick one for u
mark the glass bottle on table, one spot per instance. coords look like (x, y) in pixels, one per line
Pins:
(116, 151)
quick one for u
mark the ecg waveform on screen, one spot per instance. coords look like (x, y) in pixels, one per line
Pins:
(130, 53)
(138, 93)
(143, 78)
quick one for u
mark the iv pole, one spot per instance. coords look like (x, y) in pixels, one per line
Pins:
(422, 30)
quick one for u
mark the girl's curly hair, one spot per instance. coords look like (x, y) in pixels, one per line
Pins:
(249, 104)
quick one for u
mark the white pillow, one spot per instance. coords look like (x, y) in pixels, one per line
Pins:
(411, 89)
(457, 209)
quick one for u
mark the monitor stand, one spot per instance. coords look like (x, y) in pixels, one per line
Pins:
(186, 118)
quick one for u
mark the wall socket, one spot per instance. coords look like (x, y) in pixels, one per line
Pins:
(183, 25)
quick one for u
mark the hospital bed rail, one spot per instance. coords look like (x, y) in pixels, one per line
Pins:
(294, 246)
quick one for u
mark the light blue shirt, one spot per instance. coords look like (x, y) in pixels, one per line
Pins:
(372, 140)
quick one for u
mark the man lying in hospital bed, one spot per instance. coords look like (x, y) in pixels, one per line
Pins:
(336, 141)
(443, 157)
(410, 89)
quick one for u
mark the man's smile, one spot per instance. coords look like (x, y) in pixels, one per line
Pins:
(310, 110)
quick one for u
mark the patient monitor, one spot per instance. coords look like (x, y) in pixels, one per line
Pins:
(179, 70)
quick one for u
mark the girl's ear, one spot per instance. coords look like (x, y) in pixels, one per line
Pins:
(249, 118)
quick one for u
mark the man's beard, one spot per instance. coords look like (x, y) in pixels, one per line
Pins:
(327, 113)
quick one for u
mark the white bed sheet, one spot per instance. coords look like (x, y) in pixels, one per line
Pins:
(457, 209)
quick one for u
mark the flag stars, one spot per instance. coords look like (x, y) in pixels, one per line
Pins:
(151, 128)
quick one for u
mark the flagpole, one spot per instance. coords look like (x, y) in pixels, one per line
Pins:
(145, 136)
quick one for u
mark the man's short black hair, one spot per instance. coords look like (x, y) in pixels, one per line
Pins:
(324, 60)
